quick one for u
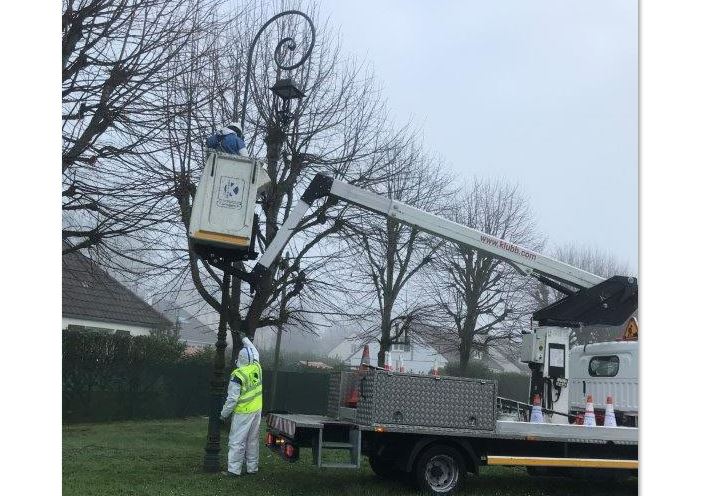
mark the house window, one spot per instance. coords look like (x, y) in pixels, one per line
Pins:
(604, 366)
(401, 347)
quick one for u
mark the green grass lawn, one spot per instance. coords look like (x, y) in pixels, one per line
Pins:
(165, 458)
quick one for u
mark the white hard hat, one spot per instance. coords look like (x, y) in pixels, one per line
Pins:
(234, 126)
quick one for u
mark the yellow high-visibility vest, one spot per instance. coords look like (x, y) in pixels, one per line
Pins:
(250, 395)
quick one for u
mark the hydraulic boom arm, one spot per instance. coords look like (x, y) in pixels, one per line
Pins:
(546, 269)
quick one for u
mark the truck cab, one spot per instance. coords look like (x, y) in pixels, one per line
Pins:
(602, 369)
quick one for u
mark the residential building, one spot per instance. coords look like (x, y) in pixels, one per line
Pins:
(188, 328)
(93, 300)
(497, 360)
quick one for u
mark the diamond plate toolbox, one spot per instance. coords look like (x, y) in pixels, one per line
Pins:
(341, 385)
(428, 401)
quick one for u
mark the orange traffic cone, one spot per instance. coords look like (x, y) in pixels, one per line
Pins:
(388, 361)
(610, 420)
(589, 419)
(352, 399)
(536, 411)
(365, 358)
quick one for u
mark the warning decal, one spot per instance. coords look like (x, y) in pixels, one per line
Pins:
(230, 192)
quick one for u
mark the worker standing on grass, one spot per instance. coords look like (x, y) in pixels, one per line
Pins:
(244, 403)
(229, 139)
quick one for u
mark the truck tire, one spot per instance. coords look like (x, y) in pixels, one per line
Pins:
(440, 470)
(382, 468)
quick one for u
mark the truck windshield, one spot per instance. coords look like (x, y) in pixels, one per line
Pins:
(604, 366)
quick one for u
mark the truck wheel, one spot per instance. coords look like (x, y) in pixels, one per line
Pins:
(440, 470)
(381, 467)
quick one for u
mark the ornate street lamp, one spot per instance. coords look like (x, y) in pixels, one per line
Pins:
(287, 42)
(286, 90)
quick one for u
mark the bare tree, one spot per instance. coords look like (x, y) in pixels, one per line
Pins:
(116, 55)
(592, 259)
(339, 127)
(385, 254)
(481, 299)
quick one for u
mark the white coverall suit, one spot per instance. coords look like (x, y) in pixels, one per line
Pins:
(244, 431)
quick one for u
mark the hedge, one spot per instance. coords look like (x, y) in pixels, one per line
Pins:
(116, 377)
(108, 377)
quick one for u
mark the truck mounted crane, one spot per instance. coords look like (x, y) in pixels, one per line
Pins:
(590, 299)
(223, 229)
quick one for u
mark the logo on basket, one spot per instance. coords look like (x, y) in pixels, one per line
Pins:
(230, 192)
(231, 188)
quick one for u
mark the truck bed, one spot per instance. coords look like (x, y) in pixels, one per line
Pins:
(288, 424)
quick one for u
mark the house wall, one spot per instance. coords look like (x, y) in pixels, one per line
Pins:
(505, 363)
(107, 326)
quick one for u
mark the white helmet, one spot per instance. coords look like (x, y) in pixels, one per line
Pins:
(248, 354)
(234, 126)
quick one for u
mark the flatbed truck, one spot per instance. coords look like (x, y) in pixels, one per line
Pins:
(437, 455)
(437, 459)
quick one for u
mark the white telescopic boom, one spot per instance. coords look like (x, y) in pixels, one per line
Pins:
(527, 261)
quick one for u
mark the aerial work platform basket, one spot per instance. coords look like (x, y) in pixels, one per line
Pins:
(222, 219)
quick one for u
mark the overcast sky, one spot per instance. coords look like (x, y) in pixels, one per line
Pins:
(540, 92)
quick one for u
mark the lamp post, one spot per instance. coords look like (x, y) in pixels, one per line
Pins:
(287, 42)
(286, 90)
(211, 460)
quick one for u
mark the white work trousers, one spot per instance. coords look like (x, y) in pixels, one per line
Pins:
(244, 437)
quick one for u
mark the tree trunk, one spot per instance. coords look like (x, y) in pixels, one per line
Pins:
(465, 350)
(235, 319)
(275, 372)
(251, 321)
(277, 347)
(235, 344)
(384, 333)
(274, 141)
(466, 342)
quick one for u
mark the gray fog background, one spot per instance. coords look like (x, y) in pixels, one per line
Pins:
(540, 92)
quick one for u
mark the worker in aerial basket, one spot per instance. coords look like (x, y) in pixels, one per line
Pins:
(244, 403)
(229, 139)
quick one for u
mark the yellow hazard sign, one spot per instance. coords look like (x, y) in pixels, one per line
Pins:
(632, 330)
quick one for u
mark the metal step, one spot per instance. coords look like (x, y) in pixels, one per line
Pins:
(338, 465)
(353, 448)
(335, 445)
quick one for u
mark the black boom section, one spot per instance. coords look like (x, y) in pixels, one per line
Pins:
(319, 187)
(611, 302)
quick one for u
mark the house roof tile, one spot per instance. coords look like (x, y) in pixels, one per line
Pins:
(90, 293)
